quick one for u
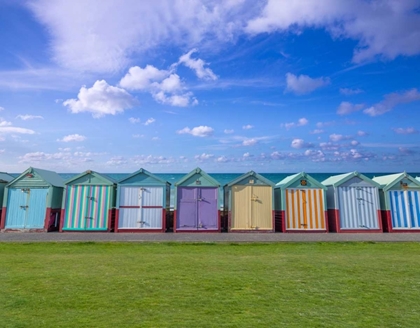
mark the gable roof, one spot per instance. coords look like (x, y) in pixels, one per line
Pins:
(100, 176)
(5, 177)
(388, 181)
(200, 172)
(339, 179)
(50, 177)
(145, 172)
(250, 174)
(289, 180)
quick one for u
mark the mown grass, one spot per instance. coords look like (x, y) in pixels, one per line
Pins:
(209, 285)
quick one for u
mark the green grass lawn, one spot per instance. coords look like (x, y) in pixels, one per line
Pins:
(209, 285)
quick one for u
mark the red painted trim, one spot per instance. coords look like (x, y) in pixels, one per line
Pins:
(164, 220)
(3, 218)
(111, 219)
(333, 220)
(63, 214)
(380, 220)
(174, 222)
(229, 221)
(47, 218)
(386, 220)
(117, 219)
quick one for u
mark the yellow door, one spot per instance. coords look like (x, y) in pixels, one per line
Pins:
(261, 208)
(241, 207)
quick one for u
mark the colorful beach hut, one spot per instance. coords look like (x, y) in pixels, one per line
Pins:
(400, 202)
(32, 201)
(353, 203)
(4, 180)
(197, 203)
(143, 200)
(300, 203)
(249, 203)
(88, 203)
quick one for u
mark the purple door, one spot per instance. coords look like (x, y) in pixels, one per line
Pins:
(197, 209)
(187, 209)
(207, 209)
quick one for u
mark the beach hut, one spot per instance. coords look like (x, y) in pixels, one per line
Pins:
(248, 201)
(400, 202)
(4, 180)
(88, 203)
(353, 203)
(197, 203)
(32, 201)
(143, 200)
(300, 204)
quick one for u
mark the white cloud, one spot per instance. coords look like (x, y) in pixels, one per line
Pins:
(1, 108)
(346, 108)
(304, 84)
(101, 99)
(73, 137)
(198, 66)
(150, 159)
(247, 127)
(349, 92)
(324, 124)
(7, 128)
(149, 121)
(301, 122)
(29, 117)
(317, 131)
(4, 123)
(199, 131)
(155, 138)
(391, 100)
(142, 78)
(204, 157)
(382, 28)
(250, 142)
(117, 160)
(134, 120)
(227, 131)
(362, 133)
(300, 143)
(338, 137)
(222, 159)
(405, 131)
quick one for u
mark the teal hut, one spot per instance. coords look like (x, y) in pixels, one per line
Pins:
(143, 201)
(32, 201)
(88, 203)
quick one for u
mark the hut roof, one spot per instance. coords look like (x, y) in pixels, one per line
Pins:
(250, 174)
(4, 177)
(145, 172)
(50, 177)
(339, 179)
(200, 172)
(289, 180)
(388, 181)
(102, 177)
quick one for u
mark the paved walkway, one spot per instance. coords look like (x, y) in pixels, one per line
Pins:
(206, 237)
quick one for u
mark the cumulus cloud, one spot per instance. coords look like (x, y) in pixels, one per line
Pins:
(165, 86)
(197, 65)
(117, 160)
(300, 143)
(362, 133)
(304, 84)
(150, 159)
(247, 127)
(391, 100)
(350, 92)
(346, 108)
(317, 131)
(73, 137)
(250, 142)
(134, 120)
(101, 99)
(204, 157)
(386, 28)
(301, 122)
(199, 131)
(338, 137)
(405, 130)
(149, 121)
(227, 131)
(29, 117)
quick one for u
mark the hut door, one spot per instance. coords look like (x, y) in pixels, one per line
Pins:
(305, 209)
(261, 207)
(151, 207)
(207, 208)
(26, 208)
(405, 209)
(187, 208)
(241, 207)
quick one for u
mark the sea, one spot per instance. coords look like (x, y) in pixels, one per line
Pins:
(224, 178)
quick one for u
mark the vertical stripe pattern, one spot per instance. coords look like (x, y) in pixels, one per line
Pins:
(358, 207)
(305, 209)
(405, 209)
(87, 207)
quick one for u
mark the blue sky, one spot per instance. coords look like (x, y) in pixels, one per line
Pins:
(230, 86)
